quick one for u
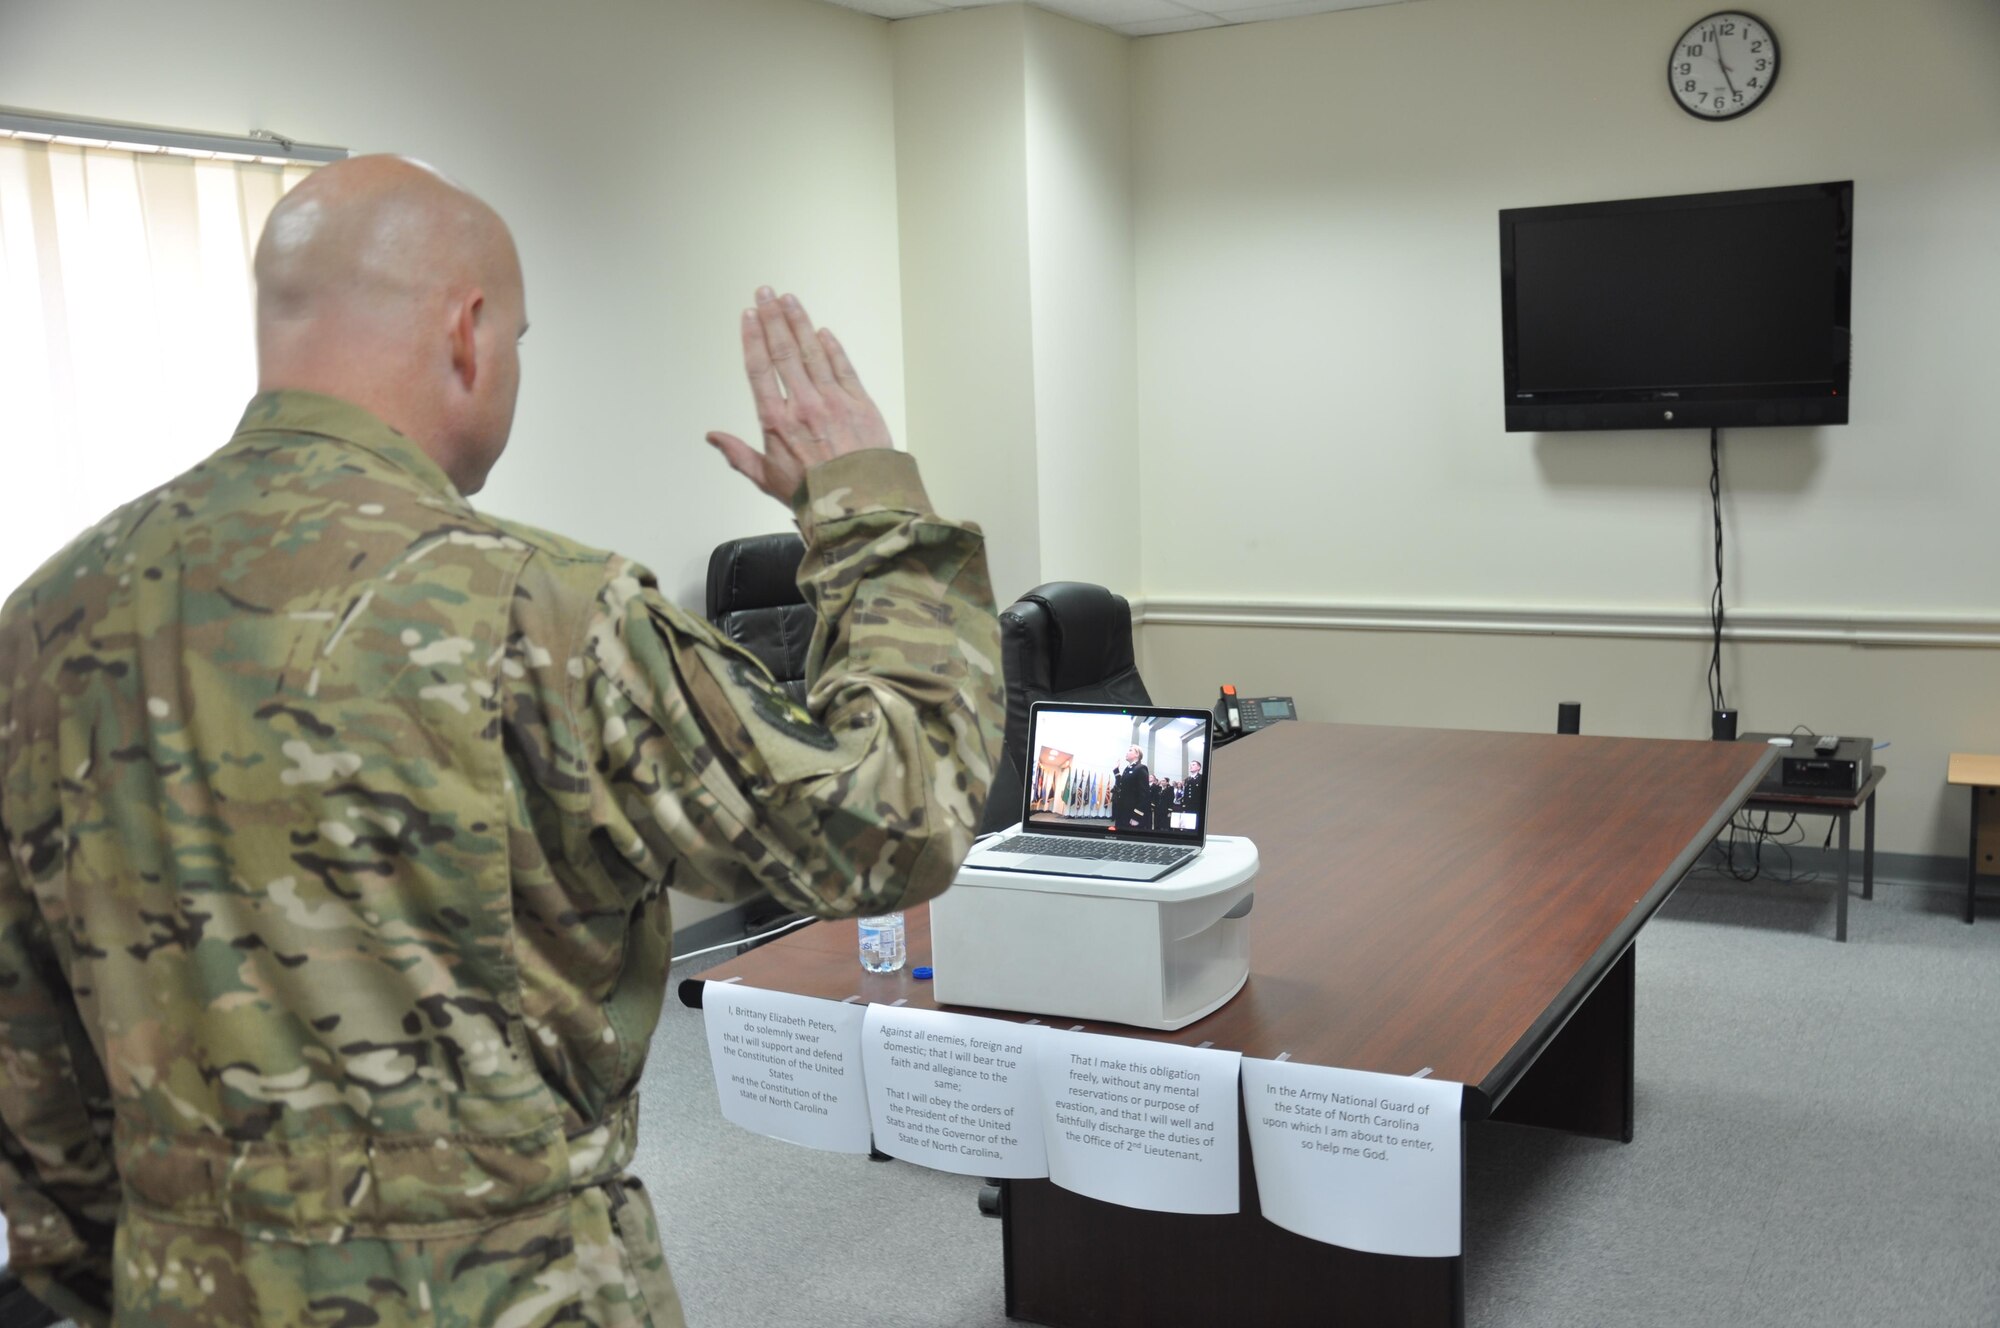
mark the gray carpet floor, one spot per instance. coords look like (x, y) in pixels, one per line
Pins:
(1816, 1144)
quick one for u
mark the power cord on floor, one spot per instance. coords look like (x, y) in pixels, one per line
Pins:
(1743, 843)
(1741, 849)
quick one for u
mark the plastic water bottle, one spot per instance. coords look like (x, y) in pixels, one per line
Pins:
(882, 943)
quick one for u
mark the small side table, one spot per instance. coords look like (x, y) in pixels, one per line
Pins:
(1840, 806)
(1981, 774)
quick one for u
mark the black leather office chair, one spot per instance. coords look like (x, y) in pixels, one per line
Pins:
(1064, 641)
(753, 596)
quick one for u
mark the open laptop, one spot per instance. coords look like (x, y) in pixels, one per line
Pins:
(1114, 792)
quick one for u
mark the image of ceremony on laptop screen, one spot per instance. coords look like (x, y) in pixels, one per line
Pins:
(1136, 774)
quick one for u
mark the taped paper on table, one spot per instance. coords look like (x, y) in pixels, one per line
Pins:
(1368, 1162)
(788, 1066)
(1143, 1124)
(955, 1092)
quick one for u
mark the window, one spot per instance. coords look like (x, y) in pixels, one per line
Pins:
(126, 336)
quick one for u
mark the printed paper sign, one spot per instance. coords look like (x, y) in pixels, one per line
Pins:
(1144, 1124)
(1364, 1161)
(788, 1066)
(955, 1092)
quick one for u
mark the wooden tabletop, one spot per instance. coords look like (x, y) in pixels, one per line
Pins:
(1965, 768)
(1427, 897)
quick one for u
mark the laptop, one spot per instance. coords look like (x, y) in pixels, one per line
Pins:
(1114, 792)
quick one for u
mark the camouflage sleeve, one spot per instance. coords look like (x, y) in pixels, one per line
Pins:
(862, 801)
(58, 1185)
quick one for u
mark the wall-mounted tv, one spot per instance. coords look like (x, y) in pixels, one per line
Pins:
(1695, 311)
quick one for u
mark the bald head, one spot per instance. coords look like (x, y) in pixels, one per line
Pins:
(382, 283)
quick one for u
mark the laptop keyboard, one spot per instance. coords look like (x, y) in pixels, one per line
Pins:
(1096, 850)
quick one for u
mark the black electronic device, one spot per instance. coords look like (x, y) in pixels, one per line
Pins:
(1801, 768)
(1722, 725)
(1261, 712)
(1237, 715)
(1569, 717)
(1694, 311)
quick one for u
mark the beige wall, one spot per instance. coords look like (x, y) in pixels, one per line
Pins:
(651, 158)
(961, 155)
(1925, 702)
(658, 159)
(1081, 275)
(1319, 305)
(1013, 154)
(1318, 315)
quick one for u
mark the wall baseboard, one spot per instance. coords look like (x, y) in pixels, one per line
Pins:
(1847, 629)
(1917, 870)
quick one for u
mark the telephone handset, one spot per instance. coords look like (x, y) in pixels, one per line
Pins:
(1237, 715)
(1229, 711)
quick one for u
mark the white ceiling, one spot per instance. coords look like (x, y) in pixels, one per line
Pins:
(1134, 18)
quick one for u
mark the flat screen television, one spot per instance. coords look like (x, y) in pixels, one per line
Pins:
(1694, 311)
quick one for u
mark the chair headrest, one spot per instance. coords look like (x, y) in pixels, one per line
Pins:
(755, 572)
(1064, 641)
(1087, 632)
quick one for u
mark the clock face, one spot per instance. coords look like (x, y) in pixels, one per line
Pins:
(1723, 65)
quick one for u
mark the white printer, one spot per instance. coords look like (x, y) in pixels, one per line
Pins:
(1155, 954)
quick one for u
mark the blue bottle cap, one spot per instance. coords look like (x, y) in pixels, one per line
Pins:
(922, 972)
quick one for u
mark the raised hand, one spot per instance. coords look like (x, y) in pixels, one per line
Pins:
(810, 401)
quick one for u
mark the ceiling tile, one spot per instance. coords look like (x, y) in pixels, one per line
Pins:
(1164, 25)
(891, 8)
(1134, 18)
(1116, 13)
(1259, 10)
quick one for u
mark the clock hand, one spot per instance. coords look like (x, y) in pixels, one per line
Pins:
(1725, 70)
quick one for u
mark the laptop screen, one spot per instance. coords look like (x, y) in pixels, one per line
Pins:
(1118, 770)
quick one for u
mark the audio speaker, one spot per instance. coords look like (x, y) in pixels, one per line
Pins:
(1569, 717)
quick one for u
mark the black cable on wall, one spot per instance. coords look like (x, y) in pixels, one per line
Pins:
(1715, 605)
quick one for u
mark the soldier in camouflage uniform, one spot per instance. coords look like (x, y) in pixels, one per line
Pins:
(338, 818)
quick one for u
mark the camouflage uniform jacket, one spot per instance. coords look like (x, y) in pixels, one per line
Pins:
(337, 823)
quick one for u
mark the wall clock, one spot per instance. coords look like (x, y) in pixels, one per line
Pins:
(1724, 65)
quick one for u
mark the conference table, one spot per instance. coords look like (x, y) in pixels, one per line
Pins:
(1453, 903)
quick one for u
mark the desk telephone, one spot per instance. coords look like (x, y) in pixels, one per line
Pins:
(1237, 715)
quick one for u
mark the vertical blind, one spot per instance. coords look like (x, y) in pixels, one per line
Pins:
(126, 342)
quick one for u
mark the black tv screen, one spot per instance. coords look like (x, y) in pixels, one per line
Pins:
(1699, 310)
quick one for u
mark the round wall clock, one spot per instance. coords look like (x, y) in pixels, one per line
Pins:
(1723, 65)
